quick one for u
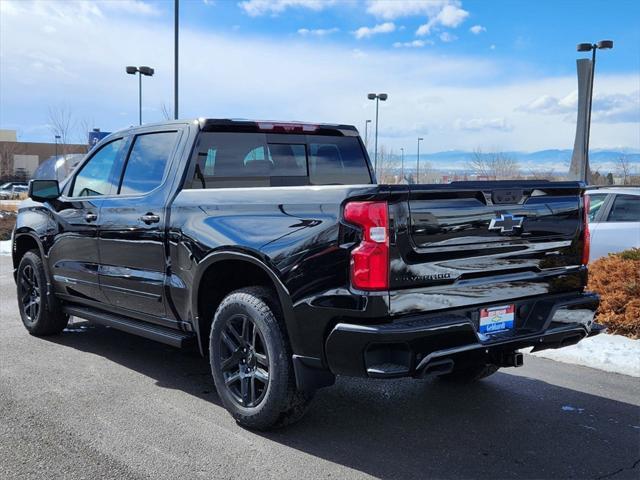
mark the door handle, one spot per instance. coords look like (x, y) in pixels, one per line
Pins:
(90, 217)
(150, 218)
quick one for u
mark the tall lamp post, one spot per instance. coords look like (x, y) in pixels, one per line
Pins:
(418, 161)
(176, 22)
(366, 134)
(592, 47)
(377, 97)
(147, 71)
(57, 137)
(402, 163)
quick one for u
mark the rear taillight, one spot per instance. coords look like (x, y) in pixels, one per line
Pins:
(586, 237)
(370, 259)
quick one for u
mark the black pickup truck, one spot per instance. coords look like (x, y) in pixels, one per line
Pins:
(271, 248)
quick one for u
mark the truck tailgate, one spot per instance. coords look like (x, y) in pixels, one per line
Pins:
(472, 243)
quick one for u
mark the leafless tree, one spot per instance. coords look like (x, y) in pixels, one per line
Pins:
(7, 151)
(623, 168)
(166, 113)
(543, 174)
(385, 164)
(494, 166)
(85, 125)
(61, 123)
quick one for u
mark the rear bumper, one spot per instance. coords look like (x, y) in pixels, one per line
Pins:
(439, 343)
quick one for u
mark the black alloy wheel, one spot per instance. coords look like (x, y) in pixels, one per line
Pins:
(244, 360)
(29, 293)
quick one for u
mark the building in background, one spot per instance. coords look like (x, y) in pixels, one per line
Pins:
(18, 160)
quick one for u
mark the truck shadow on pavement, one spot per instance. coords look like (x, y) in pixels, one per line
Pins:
(503, 427)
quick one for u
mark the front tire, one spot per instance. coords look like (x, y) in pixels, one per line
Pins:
(251, 362)
(40, 315)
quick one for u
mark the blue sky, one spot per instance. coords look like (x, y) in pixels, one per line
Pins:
(463, 74)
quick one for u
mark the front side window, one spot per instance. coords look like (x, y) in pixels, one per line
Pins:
(147, 162)
(94, 178)
(261, 160)
(626, 208)
(595, 204)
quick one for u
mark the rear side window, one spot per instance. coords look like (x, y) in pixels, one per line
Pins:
(147, 162)
(94, 177)
(626, 208)
(226, 160)
(337, 161)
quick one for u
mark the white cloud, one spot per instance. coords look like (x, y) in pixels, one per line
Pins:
(135, 7)
(451, 15)
(607, 108)
(317, 32)
(477, 29)
(366, 32)
(479, 124)
(255, 8)
(393, 9)
(447, 37)
(413, 44)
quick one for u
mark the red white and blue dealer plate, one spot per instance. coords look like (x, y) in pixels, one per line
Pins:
(497, 319)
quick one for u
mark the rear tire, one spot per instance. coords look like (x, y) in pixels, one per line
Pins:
(40, 311)
(251, 362)
(470, 374)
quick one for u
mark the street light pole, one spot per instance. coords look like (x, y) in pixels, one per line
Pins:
(366, 133)
(57, 137)
(418, 162)
(175, 59)
(139, 99)
(148, 71)
(377, 98)
(402, 163)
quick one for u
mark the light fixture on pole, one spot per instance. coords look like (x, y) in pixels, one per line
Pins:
(377, 97)
(402, 163)
(147, 71)
(418, 161)
(591, 47)
(366, 134)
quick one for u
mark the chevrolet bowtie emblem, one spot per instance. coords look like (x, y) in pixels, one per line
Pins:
(506, 223)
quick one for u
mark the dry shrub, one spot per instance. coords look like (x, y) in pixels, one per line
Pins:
(6, 225)
(617, 279)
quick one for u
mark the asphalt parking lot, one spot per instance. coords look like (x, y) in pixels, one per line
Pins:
(97, 403)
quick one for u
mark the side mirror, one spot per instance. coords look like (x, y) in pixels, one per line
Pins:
(44, 190)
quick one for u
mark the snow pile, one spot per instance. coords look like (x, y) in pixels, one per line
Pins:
(5, 247)
(611, 353)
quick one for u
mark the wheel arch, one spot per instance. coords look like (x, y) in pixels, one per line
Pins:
(24, 241)
(238, 263)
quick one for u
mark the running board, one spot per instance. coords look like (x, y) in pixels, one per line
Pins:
(165, 335)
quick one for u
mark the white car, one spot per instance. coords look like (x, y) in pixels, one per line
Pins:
(614, 220)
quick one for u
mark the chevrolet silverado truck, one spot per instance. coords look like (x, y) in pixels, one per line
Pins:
(271, 249)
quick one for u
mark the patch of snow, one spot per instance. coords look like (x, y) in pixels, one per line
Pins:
(611, 353)
(5, 247)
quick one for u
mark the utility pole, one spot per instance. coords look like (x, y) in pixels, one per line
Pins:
(377, 98)
(175, 58)
(418, 161)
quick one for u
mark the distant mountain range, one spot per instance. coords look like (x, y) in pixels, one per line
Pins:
(557, 160)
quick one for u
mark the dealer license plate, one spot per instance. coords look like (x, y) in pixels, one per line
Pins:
(497, 319)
